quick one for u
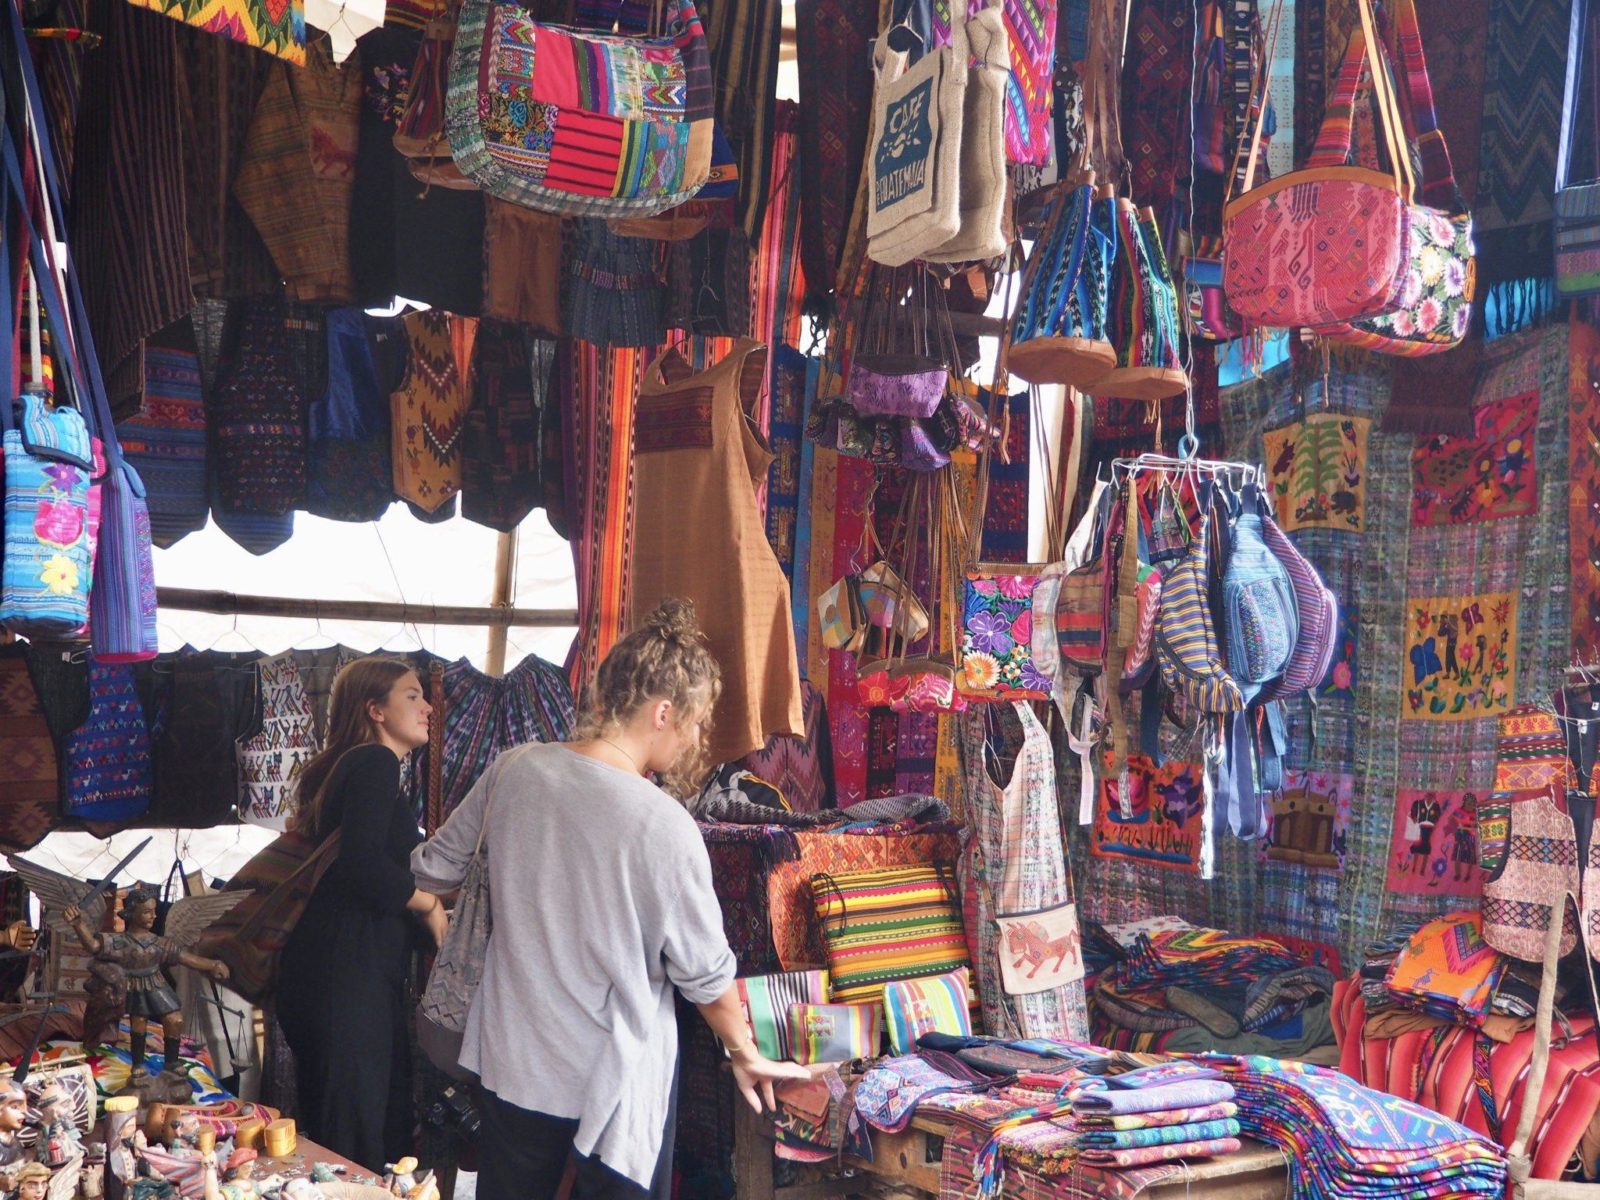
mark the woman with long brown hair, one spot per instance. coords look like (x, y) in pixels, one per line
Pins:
(600, 890)
(342, 994)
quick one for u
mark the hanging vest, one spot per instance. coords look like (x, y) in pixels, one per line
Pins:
(270, 762)
(1541, 862)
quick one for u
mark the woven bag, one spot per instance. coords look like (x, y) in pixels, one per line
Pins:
(1356, 215)
(579, 123)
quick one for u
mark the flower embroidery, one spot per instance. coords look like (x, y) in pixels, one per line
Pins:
(60, 575)
(1017, 587)
(981, 670)
(990, 632)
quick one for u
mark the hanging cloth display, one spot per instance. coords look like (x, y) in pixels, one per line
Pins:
(271, 759)
(697, 450)
(502, 446)
(28, 767)
(257, 417)
(107, 758)
(165, 440)
(350, 477)
(1577, 206)
(1017, 887)
(430, 408)
(297, 174)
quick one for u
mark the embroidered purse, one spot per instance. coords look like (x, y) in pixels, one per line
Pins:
(1271, 272)
(821, 1033)
(766, 1001)
(1435, 303)
(1040, 950)
(580, 123)
(1577, 205)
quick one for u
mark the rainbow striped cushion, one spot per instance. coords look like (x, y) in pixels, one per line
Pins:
(888, 924)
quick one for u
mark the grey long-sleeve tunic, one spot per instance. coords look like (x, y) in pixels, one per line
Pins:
(601, 893)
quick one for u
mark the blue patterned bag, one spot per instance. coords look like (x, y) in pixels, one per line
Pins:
(44, 576)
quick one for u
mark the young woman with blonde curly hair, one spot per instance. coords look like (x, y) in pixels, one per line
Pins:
(601, 898)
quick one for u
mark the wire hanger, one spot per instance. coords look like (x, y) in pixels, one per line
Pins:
(318, 632)
(234, 631)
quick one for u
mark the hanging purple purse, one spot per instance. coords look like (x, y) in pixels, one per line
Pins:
(900, 364)
(122, 602)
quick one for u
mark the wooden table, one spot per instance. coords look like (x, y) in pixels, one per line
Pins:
(910, 1161)
(306, 1153)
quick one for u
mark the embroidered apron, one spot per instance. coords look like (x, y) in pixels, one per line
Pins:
(1541, 862)
(1016, 866)
(430, 409)
(271, 760)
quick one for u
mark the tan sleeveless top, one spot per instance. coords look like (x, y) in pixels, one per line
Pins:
(698, 535)
(1541, 864)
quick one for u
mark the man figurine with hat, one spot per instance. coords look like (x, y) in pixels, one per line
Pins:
(33, 1180)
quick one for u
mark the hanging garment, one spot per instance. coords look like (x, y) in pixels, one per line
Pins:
(165, 441)
(257, 417)
(708, 283)
(219, 84)
(484, 716)
(425, 244)
(271, 759)
(128, 209)
(698, 452)
(349, 473)
(199, 704)
(28, 771)
(613, 293)
(522, 265)
(502, 448)
(1541, 864)
(107, 758)
(298, 172)
(429, 409)
(1016, 867)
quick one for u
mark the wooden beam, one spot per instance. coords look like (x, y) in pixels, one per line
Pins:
(228, 603)
(505, 552)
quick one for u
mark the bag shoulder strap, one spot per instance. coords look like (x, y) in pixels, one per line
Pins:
(1569, 96)
(1439, 188)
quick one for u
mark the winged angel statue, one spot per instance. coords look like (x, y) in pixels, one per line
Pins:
(127, 973)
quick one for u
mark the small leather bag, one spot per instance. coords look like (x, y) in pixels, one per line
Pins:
(1577, 205)
(580, 123)
(1268, 277)
(899, 367)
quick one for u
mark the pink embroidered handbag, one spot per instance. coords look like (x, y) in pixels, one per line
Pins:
(1326, 243)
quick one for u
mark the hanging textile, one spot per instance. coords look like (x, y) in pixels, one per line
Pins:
(350, 476)
(219, 86)
(199, 704)
(786, 428)
(297, 171)
(599, 484)
(1583, 496)
(709, 281)
(129, 232)
(28, 769)
(1014, 863)
(834, 61)
(257, 417)
(272, 757)
(165, 440)
(484, 716)
(502, 450)
(613, 292)
(695, 450)
(522, 265)
(107, 758)
(742, 36)
(422, 243)
(1526, 62)
(430, 407)
(801, 768)
(278, 28)
(777, 291)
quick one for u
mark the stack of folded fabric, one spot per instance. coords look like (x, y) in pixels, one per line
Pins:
(1155, 1114)
(1346, 1140)
(1446, 970)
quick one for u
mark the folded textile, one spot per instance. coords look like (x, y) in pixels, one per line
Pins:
(1154, 1154)
(1157, 1074)
(1188, 1094)
(891, 810)
(1447, 969)
(1129, 1139)
(731, 806)
(1000, 1059)
(1149, 1120)
(890, 1092)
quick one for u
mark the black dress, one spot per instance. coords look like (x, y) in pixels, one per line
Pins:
(342, 978)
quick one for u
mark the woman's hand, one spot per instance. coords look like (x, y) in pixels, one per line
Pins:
(437, 922)
(755, 1076)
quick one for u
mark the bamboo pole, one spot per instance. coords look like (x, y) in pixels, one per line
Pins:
(505, 553)
(202, 600)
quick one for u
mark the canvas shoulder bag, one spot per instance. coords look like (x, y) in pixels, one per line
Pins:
(981, 233)
(914, 149)
(1577, 205)
(458, 967)
(1186, 636)
(579, 123)
(1279, 268)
